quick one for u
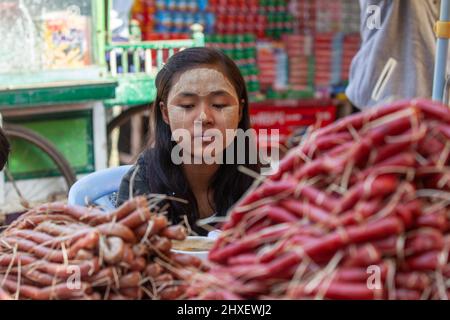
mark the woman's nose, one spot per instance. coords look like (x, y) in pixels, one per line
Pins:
(205, 114)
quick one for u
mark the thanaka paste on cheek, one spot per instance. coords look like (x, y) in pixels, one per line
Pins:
(231, 116)
(231, 119)
(177, 116)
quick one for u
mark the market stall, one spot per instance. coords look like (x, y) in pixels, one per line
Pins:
(357, 211)
(53, 78)
(73, 74)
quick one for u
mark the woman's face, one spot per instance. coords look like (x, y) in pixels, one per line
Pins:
(203, 104)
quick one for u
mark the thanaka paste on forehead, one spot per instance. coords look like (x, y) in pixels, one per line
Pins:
(210, 80)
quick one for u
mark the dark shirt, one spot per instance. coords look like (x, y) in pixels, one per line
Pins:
(138, 176)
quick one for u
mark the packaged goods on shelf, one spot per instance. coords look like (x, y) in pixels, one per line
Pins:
(351, 46)
(320, 38)
(299, 51)
(242, 49)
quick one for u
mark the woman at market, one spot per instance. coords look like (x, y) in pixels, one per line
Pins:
(197, 88)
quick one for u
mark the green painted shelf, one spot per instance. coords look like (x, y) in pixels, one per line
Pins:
(55, 93)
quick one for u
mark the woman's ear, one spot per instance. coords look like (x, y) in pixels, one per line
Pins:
(164, 112)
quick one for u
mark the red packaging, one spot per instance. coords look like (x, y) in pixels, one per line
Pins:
(288, 119)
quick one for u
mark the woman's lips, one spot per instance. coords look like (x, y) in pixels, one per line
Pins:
(206, 138)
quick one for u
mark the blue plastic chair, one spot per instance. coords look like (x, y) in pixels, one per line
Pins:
(96, 188)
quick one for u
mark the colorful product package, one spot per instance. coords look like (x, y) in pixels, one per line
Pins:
(66, 40)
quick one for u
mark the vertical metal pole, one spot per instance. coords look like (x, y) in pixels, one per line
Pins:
(148, 61)
(109, 7)
(125, 64)
(114, 158)
(100, 142)
(137, 60)
(159, 58)
(113, 62)
(99, 14)
(440, 69)
(136, 36)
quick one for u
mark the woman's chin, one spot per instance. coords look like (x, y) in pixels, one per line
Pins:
(203, 156)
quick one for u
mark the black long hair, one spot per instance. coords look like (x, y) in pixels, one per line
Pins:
(163, 176)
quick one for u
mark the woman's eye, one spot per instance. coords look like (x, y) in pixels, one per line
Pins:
(187, 106)
(219, 106)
